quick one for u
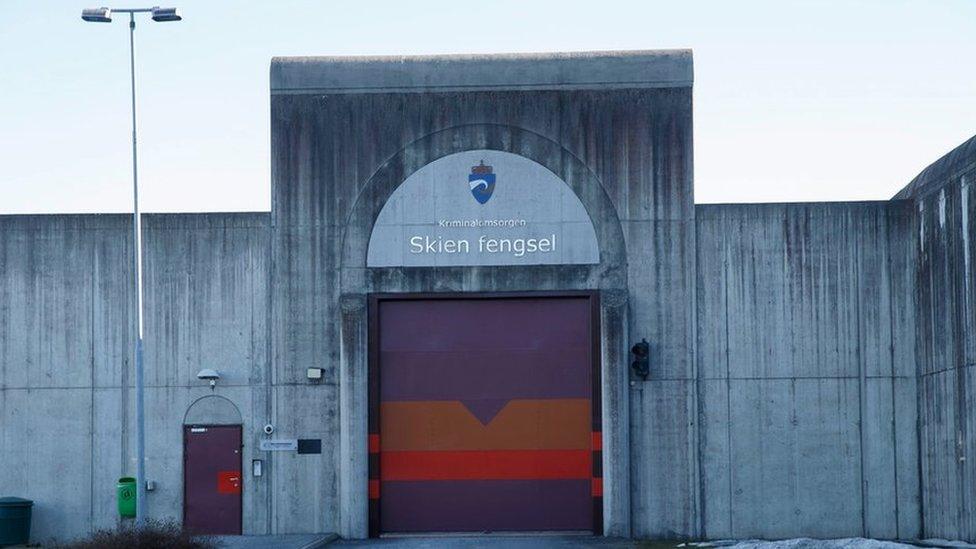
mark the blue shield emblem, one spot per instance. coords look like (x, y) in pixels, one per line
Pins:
(482, 182)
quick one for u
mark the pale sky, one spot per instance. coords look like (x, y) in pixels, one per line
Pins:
(794, 100)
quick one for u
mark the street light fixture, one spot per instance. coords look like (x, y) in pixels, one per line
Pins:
(163, 15)
(97, 15)
(104, 15)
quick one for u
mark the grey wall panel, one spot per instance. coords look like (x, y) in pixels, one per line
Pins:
(968, 449)
(664, 437)
(797, 307)
(713, 286)
(111, 308)
(305, 495)
(715, 445)
(908, 488)
(790, 283)
(660, 258)
(164, 448)
(46, 290)
(795, 458)
(872, 291)
(59, 461)
(15, 431)
(878, 458)
(106, 458)
(51, 460)
(634, 140)
(904, 351)
(54, 350)
(664, 470)
(206, 297)
(304, 331)
(943, 492)
(946, 211)
(902, 259)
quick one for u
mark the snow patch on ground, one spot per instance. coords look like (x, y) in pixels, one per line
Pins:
(806, 543)
(936, 542)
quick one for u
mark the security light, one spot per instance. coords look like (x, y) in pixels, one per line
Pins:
(209, 374)
(162, 15)
(97, 15)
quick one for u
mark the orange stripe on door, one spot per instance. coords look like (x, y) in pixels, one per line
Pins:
(486, 465)
(523, 424)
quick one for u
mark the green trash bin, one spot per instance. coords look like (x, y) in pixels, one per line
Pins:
(126, 494)
(15, 520)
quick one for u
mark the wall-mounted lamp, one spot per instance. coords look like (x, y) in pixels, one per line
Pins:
(314, 374)
(641, 363)
(209, 374)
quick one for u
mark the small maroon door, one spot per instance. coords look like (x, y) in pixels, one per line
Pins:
(212, 479)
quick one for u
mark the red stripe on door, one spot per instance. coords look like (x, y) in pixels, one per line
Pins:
(486, 465)
(596, 487)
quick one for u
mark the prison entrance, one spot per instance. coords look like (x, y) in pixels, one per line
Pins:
(485, 414)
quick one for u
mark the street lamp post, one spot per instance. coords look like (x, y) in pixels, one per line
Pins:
(104, 15)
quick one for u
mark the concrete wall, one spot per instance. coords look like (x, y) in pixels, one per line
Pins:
(806, 341)
(615, 126)
(66, 332)
(63, 362)
(811, 364)
(944, 198)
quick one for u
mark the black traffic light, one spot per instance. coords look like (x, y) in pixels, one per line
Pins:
(641, 363)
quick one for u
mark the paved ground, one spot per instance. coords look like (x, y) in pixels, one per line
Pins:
(316, 541)
(501, 542)
(296, 541)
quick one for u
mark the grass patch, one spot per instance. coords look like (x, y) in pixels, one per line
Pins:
(152, 535)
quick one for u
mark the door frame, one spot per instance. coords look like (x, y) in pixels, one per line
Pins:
(240, 455)
(373, 445)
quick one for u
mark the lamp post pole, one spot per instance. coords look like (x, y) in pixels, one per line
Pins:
(104, 15)
(137, 267)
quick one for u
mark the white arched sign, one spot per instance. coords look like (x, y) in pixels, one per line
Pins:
(482, 207)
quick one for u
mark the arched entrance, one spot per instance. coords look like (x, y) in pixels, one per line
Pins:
(605, 279)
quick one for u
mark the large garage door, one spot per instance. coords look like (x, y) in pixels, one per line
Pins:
(487, 420)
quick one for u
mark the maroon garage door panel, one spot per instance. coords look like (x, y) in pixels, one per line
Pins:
(487, 419)
(212, 479)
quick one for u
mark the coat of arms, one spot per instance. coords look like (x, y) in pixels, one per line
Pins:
(482, 182)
